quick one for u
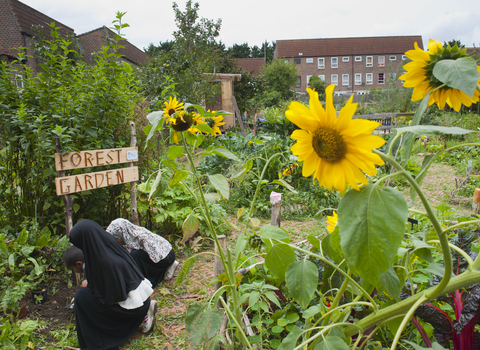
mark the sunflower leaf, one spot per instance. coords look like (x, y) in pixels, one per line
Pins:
(372, 225)
(204, 128)
(178, 176)
(461, 74)
(156, 119)
(223, 152)
(433, 130)
(220, 183)
(278, 258)
(302, 280)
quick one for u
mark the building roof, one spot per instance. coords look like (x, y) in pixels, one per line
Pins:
(27, 17)
(346, 46)
(252, 65)
(93, 41)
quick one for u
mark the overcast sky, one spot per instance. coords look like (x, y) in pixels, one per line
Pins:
(254, 21)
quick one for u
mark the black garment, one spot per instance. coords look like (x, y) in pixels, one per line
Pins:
(110, 271)
(154, 272)
(101, 327)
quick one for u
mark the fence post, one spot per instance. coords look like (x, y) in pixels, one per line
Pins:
(218, 265)
(276, 201)
(476, 201)
(133, 185)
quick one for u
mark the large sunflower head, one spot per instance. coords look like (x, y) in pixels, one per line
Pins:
(332, 222)
(181, 121)
(420, 76)
(337, 150)
(172, 107)
(197, 120)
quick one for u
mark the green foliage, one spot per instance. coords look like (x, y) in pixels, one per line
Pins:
(319, 85)
(281, 76)
(276, 122)
(84, 107)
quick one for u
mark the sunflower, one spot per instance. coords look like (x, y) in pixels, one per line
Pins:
(197, 120)
(288, 171)
(420, 76)
(332, 222)
(172, 107)
(214, 123)
(335, 149)
(181, 121)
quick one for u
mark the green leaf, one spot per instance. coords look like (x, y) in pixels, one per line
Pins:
(410, 137)
(314, 241)
(22, 237)
(291, 317)
(436, 269)
(273, 298)
(220, 183)
(178, 176)
(27, 250)
(427, 162)
(38, 270)
(240, 245)
(289, 342)
(254, 296)
(277, 329)
(328, 249)
(11, 260)
(187, 265)
(156, 189)
(205, 128)
(47, 205)
(302, 280)
(435, 346)
(433, 130)
(223, 152)
(190, 227)
(311, 311)
(202, 323)
(76, 207)
(274, 232)
(391, 283)
(332, 343)
(174, 152)
(461, 74)
(278, 258)
(156, 119)
(283, 183)
(372, 225)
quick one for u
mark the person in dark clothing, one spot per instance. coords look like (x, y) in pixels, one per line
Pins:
(153, 254)
(116, 300)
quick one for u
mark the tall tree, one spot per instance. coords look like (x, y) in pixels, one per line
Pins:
(240, 51)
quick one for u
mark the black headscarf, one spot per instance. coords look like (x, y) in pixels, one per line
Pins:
(110, 270)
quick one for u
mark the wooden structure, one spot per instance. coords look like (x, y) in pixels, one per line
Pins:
(225, 102)
(388, 121)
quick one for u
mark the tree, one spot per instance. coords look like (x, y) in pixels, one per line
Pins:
(240, 51)
(194, 55)
(165, 47)
(281, 76)
(318, 84)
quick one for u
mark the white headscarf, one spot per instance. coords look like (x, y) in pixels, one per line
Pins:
(136, 237)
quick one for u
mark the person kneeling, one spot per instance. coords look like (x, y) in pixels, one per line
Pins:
(152, 253)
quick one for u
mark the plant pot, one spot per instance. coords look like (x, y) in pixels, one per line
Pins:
(36, 294)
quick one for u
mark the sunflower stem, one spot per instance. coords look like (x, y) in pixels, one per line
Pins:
(447, 256)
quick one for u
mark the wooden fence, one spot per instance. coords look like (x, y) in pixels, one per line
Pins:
(388, 121)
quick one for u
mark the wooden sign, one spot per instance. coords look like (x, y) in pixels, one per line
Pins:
(83, 182)
(86, 159)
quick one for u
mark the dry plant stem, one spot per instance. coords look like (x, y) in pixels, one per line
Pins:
(405, 320)
(227, 267)
(238, 324)
(447, 256)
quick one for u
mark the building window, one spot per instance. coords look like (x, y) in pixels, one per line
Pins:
(345, 59)
(381, 61)
(392, 58)
(299, 81)
(334, 62)
(393, 76)
(309, 60)
(345, 79)
(369, 78)
(381, 78)
(19, 81)
(369, 61)
(308, 80)
(297, 60)
(322, 77)
(358, 58)
(334, 79)
(321, 63)
(404, 57)
(358, 79)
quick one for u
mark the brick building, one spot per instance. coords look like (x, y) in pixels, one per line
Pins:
(16, 29)
(17, 22)
(355, 65)
(92, 41)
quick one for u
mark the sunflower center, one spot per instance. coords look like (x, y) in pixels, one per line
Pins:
(183, 122)
(329, 145)
(171, 111)
(210, 122)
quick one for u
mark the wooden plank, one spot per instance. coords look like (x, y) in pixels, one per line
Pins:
(86, 159)
(237, 113)
(83, 182)
(133, 186)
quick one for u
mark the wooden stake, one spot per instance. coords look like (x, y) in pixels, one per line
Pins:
(133, 185)
(476, 201)
(218, 266)
(237, 113)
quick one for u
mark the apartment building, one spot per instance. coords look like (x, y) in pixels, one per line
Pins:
(354, 65)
